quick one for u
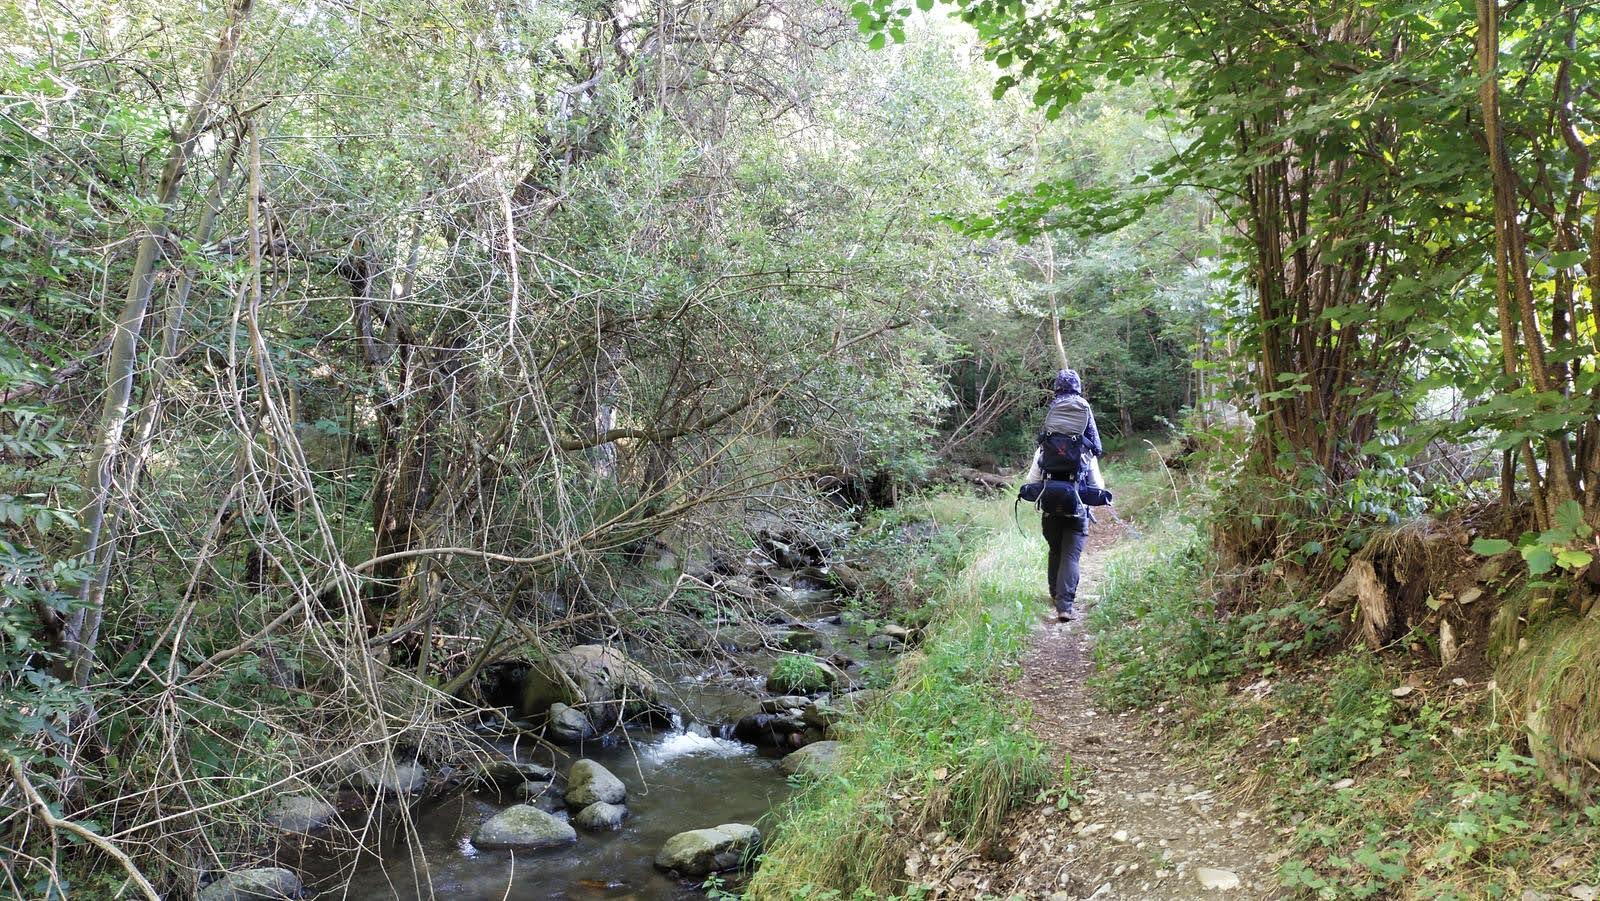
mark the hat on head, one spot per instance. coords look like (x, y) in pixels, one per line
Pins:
(1067, 382)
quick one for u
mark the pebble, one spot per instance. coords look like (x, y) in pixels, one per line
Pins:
(1402, 691)
(1216, 880)
(1343, 784)
(1121, 835)
(1584, 892)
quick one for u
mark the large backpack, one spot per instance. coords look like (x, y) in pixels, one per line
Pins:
(1061, 456)
(1068, 414)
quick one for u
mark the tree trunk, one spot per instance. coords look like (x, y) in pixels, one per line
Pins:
(98, 545)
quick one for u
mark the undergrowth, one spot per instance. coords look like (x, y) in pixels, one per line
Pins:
(1156, 633)
(942, 750)
(1389, 784)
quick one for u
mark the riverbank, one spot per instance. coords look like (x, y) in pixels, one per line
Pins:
(942, 751)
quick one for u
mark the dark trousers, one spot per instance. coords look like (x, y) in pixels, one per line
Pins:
(1065, 536)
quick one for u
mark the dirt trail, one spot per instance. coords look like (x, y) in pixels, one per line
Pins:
(1145, 827)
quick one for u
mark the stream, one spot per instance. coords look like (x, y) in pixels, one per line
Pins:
(691, 775)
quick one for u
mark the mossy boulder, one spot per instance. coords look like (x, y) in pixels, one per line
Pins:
(796, 674)
(523, 828)
(701, 852)
(589, 782)
(601, 681)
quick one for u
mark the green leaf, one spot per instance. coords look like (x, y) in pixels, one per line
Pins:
(1574, 559)
(1489, 547)
(1540, 559)
(925, 5)
(878, 41)
(1570, 517)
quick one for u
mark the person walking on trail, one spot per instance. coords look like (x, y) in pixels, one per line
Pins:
(1065, 460)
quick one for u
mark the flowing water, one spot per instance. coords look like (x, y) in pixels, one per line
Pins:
(682, 778)
(677, 780)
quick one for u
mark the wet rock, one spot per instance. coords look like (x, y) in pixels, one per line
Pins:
(801, 638)
(568, 724)
(300, 814)
(600, 817)
(523, 828)
(533, 788)
(769, 730)
(503, 771)
(588, 782)
(391, 777)
(897, 632)
(813, 759)
(701, 852)
(544, 796)
(884, 643)
(785, 703)
(1216, 880)
(815, 577)
(601, 680)
(253, 885)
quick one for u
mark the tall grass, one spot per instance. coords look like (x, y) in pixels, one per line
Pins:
(942, 750)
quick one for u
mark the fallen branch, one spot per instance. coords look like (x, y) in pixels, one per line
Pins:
(56, 824)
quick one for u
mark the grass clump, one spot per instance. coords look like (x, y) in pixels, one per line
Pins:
(1553, 683)
(797, 674)
(942, 750)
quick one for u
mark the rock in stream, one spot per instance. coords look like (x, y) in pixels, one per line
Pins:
(700, 852)
(258, 884)
(523, 828)
(589, 782)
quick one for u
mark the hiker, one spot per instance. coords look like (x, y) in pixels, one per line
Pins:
(1064, 461)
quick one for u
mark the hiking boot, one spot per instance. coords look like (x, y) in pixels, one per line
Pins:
(1064, 612)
